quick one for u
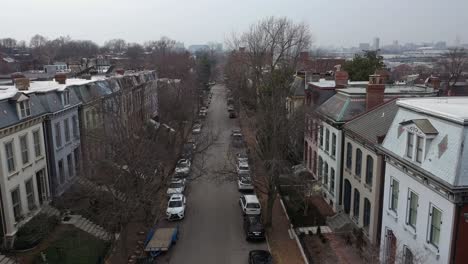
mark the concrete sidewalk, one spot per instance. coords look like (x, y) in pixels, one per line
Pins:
(284, 248)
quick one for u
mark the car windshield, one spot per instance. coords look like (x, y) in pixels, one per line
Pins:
(173, 204)
(243, 167)
(245, 180)
(176, 185)
(253, 205)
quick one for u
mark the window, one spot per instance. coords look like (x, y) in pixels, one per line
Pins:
(321, 136)
(435, 218)
(315, 132)
(10, 156)
(24, 149)
(369, 170)
(88, 119)
(407, 256)
(333, 148)
(357, 198)
(30, 194)
(61, 171)
(332, 180)
(327, 139)
(367, 213)
(314, 164)
(349, 155)
(25, 108)
(320, 167)
(70, 165)
(325, 173)
(412, 209)
(76, 156)
(16, 202)
(58, 135)
(358, 167)
(37, 143)
(394, 190)
(410, 145)
(66, 127)
(306, 151)
(66, 97)
(75, 126)
(419, 148)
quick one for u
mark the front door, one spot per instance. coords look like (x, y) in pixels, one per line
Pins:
(41, 186)
(390, 247)
(347, 196)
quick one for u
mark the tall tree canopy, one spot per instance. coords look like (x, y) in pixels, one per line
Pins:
(364, 65)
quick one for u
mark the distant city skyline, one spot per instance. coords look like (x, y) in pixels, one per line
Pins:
(339, 23)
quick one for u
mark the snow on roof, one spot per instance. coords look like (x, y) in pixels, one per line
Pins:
(324, 83)
(8, 91)
(454, 109)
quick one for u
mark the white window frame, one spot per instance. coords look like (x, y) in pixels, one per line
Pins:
(333, 148)
(37, 143)
(394, 207)
(327, 140)
(408, 210)
(429, 226)
(420, 142)
(32, 202)
(66, 128)
(24, 148)
(58, 135)
(410, 139)
(18, 204)
(24, 108)
(11, 168)
(66, 97)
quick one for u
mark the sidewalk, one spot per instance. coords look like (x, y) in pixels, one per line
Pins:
(283, 248)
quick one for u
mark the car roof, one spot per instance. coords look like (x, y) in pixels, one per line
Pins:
(243, 163)
(251, 198)
(176, 197)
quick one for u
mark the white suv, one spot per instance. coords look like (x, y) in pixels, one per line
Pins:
(249, 204)
(176, 207)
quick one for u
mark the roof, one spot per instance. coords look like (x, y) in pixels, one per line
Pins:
(251, 198)
(375, 123)
(9, 114)
(297, 87)
(454, 109)
(162, 239)
(423, 124)
(324, 83)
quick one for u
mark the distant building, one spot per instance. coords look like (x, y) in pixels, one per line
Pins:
(425, 208)
(376, 44)
(197, 48)
(364, 46)
(57, 67)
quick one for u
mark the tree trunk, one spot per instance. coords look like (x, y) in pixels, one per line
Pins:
(269, 210)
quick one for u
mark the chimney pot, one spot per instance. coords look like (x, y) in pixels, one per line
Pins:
(61, 78)
(22, 84)
(341, 78)
(375, 91)
(120, 71)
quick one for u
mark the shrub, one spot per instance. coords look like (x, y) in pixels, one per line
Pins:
(34, 231)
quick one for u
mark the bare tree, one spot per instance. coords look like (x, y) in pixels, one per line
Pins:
(454, 64)
(272, 49)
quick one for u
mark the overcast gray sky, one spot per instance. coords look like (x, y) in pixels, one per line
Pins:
(332, 22)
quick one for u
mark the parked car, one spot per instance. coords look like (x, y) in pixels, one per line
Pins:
(176, 207)
(242, 167)
(253, 227)
(183, 166)
(196, 129)
(176, 186)
(249, 204)
(244, 182)
(240, 157)
(230, 108)
(260, 257)
(237, 137)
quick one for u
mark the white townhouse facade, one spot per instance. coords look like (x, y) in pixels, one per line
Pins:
(24, 183)
(424, 216)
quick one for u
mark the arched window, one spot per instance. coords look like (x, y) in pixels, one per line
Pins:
(367, 212)
(325, 174)
(369, 170)
(358, 167)
(356, 201)
(349, 155)
(320, 167)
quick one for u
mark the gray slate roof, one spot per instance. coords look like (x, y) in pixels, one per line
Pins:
(423, 124)
(52, 101)
(9, 115)
(297, 87)
(375, 123)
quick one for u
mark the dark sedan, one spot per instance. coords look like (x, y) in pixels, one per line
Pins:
(253, 228)
(260, 257)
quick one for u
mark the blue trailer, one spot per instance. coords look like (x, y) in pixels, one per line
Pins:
(160, 240)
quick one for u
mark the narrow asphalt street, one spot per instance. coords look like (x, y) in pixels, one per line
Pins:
(212, 231)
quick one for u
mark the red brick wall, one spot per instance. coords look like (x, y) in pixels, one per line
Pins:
(461, 254)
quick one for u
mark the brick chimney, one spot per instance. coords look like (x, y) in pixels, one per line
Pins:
(120, 71)
(375, 91)
(435, 82)
(384, 74)
(341, 77)
(22, 84)
(61, 78)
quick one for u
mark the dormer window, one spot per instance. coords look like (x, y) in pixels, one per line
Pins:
(24, 109)
(66, 97)
(419, 135)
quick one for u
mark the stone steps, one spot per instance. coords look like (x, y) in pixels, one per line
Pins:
(6, 260)
(91, 228)
(313, 229)
(338, 221)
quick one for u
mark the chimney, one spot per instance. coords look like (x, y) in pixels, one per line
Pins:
(341, 77)
(120, 71)
(375, 91)
(22, 84)
(61, 78)
(384, 75)
(435, 82)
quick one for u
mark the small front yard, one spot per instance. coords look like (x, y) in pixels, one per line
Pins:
(297, 211)
(74, 247)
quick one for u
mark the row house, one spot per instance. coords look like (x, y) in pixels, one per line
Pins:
(425, 208)
(327, 148)
(24, 184)
(363, 168)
